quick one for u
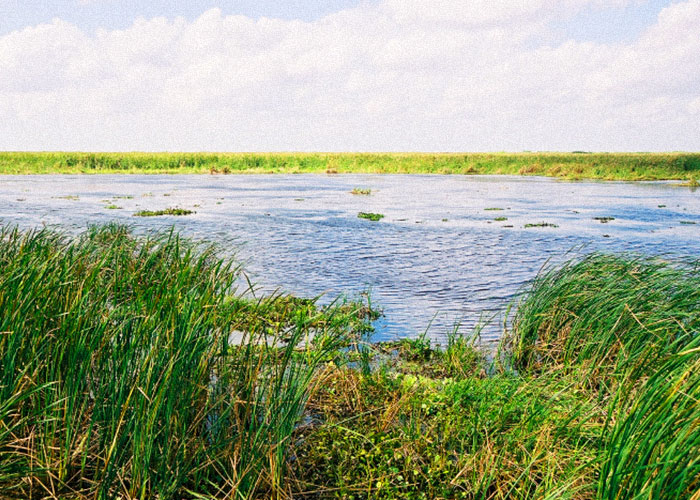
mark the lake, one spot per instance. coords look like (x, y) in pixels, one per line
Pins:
(438, 257)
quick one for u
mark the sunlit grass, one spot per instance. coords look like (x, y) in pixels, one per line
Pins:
(133, 367)
(609, 166)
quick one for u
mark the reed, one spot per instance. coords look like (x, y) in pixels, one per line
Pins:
(628, 328)
(119, 376)
(140, 367)
(609, 315)
(610, 166)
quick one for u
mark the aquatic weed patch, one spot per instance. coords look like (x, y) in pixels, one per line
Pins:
(540, 224)
(370, 216)
(167, 211)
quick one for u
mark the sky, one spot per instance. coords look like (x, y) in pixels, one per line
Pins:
(349, 75)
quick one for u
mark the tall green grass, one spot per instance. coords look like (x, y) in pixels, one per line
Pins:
(132, 367)
(118, 378)
(612, 166)
(628, 328)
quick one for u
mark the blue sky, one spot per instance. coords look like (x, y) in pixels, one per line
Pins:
(348, 75)
(611, 24)
(119, 14)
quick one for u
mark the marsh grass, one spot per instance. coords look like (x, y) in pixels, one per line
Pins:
(167, 211)
(118, 378)
(361, 191)
(594, 395)
(628, 329)
(131, 367)
(609, 166)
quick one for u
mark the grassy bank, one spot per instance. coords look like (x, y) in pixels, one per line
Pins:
(120, 377)
(610, 166)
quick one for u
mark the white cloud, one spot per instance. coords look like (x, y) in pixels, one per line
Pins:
(398, 75)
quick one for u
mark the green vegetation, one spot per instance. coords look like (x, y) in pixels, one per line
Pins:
(541, 224)
(112, 207)
(130, 367)
(118, 378)
(500, 219)
(362, 191)
(167, 211)
(370, 216)
(609, 166)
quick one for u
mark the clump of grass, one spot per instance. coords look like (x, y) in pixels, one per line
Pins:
(501, 219)
(167, 211)
(113, 207)
(627, 329)
(541, 224)
(494, 209)
(370, 216)
(688, 222)
(71, 197)
(609, 314)
(361, 191)
(118, 377)
(603, 220)
(652, 452)
(126, 197)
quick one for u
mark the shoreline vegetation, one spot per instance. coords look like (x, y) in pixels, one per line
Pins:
(574, 166)
(120, 378)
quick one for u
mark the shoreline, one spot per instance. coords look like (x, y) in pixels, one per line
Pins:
(131, 331)
(569, 166)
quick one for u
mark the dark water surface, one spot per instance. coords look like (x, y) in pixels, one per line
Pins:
(438, 255)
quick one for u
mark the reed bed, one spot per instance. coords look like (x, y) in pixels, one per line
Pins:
(578, 165)
(133, 367)
(118, 379)
(628, 328)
